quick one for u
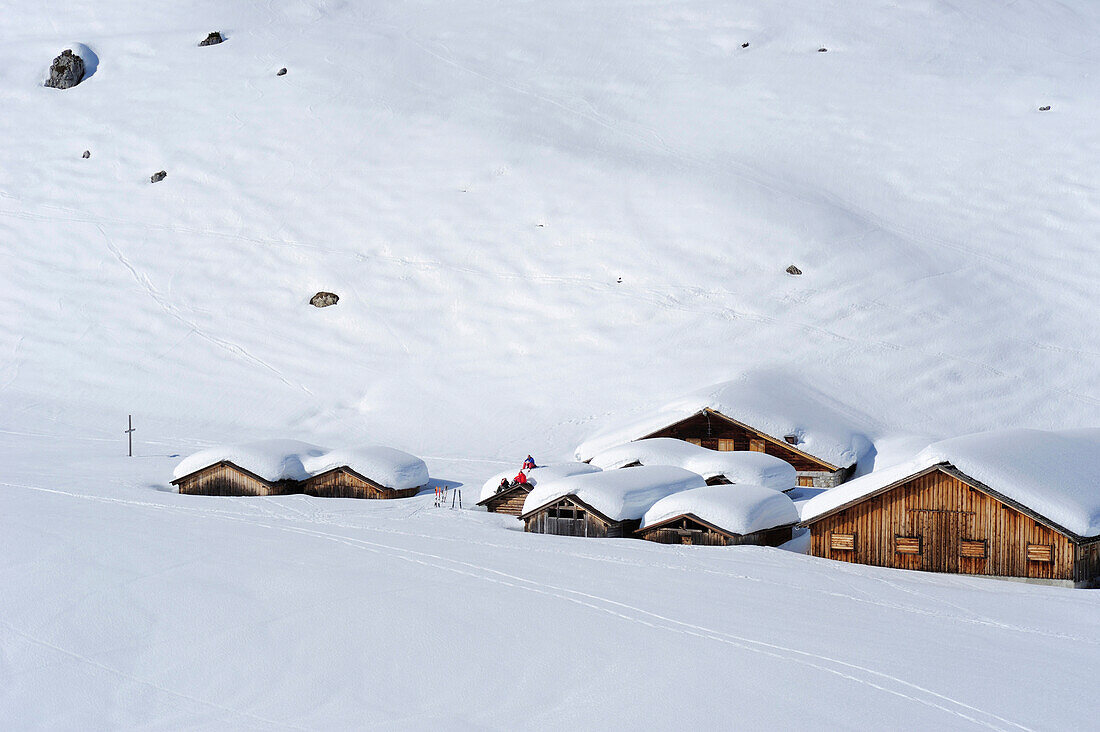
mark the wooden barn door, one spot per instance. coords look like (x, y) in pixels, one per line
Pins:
(941, 535)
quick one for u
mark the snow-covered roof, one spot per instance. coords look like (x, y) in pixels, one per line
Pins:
(738, 467)
(738, 509)
(386, 466)
(617, 494)
(1056, 475)
(542, 473)
(275, 460)
(272, 460)
(772, 402)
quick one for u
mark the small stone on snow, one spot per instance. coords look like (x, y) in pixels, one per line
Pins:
(324, 299)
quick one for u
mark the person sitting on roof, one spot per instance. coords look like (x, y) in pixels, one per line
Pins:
(521, 479)
(503, 485)
(529, 463)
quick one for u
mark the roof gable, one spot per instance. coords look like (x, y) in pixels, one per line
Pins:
(570, 498)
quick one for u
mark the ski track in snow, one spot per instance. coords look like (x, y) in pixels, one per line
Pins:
(234, 348)
(855, 673)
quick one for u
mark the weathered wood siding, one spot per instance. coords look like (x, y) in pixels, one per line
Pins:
(686, 530)
(940, 512)
(1087, 571)
(224, 479)
(716, 433)
(510, 503)
(567, 517)
(342, 483)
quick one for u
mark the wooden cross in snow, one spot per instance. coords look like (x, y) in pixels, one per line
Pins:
(130, 433)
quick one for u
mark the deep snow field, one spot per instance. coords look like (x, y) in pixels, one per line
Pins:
(473, 179)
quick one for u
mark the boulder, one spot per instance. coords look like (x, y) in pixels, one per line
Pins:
(67, 70)
(281, 72)
(212, 39)
(158, 177)
(324, 299)
(793, 270)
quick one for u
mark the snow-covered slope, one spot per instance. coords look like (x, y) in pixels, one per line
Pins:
(473, 179)
(129, 608)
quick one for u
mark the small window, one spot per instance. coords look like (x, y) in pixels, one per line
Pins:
(726, 445)
(907, 544)
(806, 481)
(972, 548)
(756, 445)
(1040, 553)
(842, 542)
(694, 440)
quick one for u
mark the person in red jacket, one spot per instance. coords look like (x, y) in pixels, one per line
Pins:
(521, 479)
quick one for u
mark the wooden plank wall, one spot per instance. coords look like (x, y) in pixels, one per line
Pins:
(1088, 564)
(590, 525)
(225, 480)
(944, 511)
(341, 484)
(511, 504)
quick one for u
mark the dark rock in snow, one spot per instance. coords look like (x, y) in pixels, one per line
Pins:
(67, 70)
(212, 39)
(158, 177)
(324, 299)
(793, 270)
(1044, 109)
(87, 154)
(281, 72)
(822, 50)
(744, 45)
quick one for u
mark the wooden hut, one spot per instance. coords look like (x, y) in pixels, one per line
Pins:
(714, 430)
(1030, 515)
(509, 500)
(343, 482)
(570, 516)
(605, 504)
(690, 529)
(721, 515)
(224, 478)
(279, 467)
(766, 413)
